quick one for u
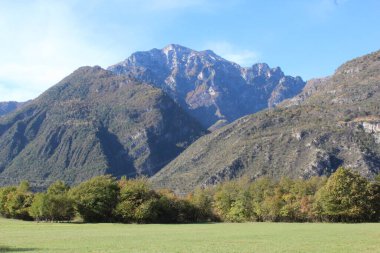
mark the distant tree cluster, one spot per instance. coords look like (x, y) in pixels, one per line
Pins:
(100, 199)
(344, 197)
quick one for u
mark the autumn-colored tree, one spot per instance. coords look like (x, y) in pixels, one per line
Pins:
(345, 197)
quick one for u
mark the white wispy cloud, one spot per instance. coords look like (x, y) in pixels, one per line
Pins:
(40, 43)
(43, 41)
(244, 57)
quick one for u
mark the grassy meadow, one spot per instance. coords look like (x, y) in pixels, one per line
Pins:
(21, 236)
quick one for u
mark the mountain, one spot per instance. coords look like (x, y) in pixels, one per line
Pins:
(8, 107)
(213, 90)
(92, 123)
(335, 121)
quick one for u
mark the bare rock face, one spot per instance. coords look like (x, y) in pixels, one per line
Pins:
(209, 87)
(372, 127)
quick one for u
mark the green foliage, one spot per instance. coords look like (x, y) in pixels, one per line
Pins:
(38, 209)
(259, 191)
(16, 201)
(58, 188)
(377, 178)
(266, 200)
(374, 199)
(172, 209)
(203, 199)
(96, 199)
(54, 205)
(4, 192)
(78, 129)
(232, 200)
(345, 197)
(136, 201)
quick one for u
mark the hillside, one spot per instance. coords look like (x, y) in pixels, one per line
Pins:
(213, 90)
(335, 121)
(8, 107)
(91, 123)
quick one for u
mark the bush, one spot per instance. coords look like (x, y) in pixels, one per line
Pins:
(137, 202)
(171, 209)
(232, 201)
(202, 199)
(17, 202)
(4, 192)
(55, 205)
(96, 199)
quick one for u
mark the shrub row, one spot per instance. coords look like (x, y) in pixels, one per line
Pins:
(344, 197)
(100, 199)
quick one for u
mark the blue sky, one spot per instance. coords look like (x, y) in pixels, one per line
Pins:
(42, 41)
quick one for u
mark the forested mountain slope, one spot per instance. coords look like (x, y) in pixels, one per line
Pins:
(92, 123)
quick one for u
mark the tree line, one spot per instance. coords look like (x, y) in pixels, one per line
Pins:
(343, 197)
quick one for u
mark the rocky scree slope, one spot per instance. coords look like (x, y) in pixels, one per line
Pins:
(334, 122)
(93, 123)
(213, 90)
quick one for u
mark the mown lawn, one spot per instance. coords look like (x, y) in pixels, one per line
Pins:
(19, 236)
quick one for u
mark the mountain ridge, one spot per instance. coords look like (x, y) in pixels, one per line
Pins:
(212, 89)
(9, 106)
(333, 122)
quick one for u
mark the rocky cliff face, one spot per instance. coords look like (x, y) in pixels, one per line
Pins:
(333, 122)
(213, 90)
(93, 123)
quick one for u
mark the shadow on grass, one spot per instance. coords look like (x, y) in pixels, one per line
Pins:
(15, 249)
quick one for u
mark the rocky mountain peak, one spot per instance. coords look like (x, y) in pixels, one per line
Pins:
(176, 48)
(260, 68)
(209, 87)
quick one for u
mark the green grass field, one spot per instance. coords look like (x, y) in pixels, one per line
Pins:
(19, 236)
